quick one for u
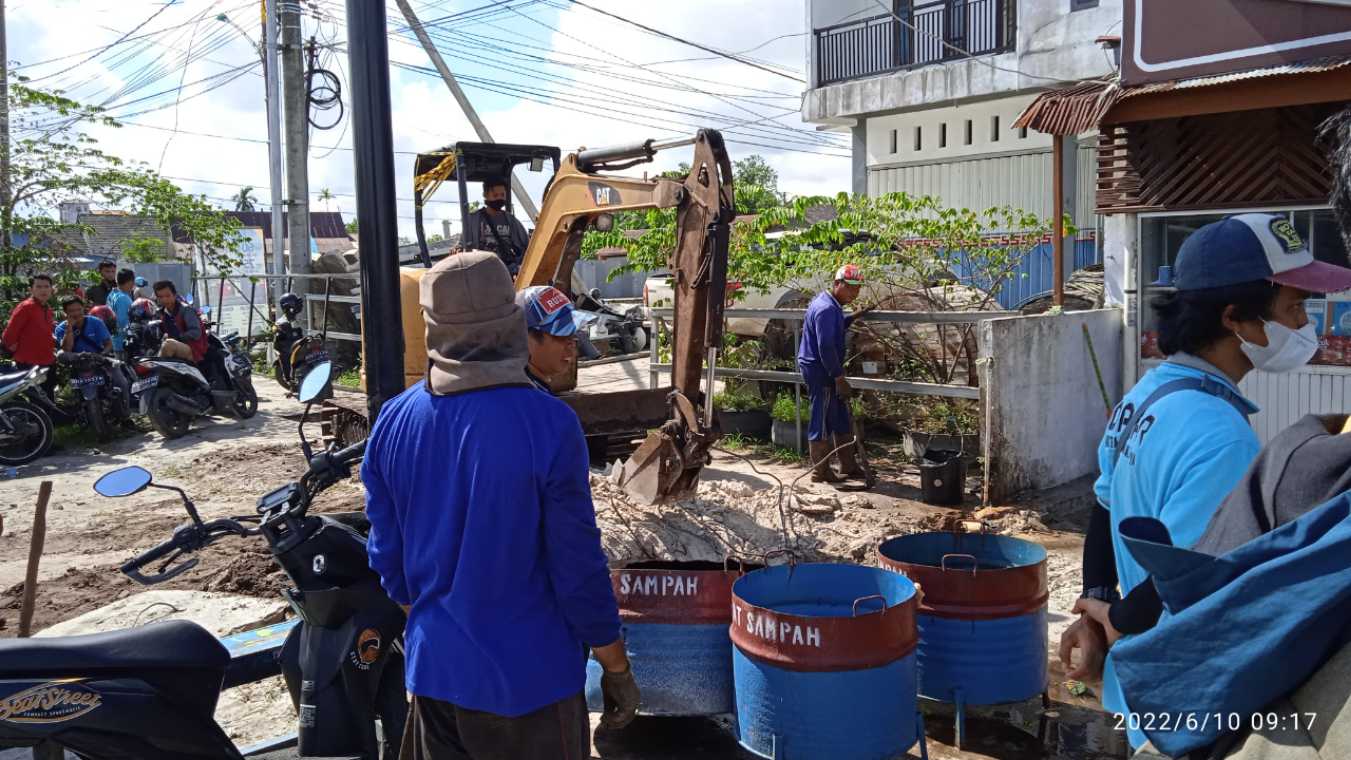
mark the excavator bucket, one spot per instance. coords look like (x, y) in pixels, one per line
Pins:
(666, 466)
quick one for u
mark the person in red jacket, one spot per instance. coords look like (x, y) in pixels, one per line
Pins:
(29, 335)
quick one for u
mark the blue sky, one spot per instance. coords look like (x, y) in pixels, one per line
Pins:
(540, 71)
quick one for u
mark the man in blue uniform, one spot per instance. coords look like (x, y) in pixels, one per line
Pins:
(482, 527)
(820, 357)
(551, 331)
(1180, 440)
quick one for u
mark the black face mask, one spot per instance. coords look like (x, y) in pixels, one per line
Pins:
(497, 205)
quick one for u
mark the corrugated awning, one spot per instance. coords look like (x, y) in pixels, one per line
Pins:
(1083, 107)
(1070, 110)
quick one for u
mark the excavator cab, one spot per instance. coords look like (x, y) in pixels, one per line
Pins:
(472, 162)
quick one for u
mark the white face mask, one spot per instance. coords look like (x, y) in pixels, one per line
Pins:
(1286, 349)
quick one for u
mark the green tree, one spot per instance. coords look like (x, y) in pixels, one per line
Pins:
(54, 160)
(326, 196)
(244, 201)
(352, 226)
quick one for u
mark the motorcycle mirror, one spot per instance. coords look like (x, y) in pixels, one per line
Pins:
(124, 481)
(315, 381)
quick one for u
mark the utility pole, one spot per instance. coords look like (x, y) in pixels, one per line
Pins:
(5, 186)
(297, 139)
(272, 70)
(378, 230)
(516, 187)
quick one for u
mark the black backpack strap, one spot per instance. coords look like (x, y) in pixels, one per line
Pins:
(1205, 384)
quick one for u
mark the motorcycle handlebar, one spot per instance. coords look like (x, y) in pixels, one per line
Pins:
(185, 540)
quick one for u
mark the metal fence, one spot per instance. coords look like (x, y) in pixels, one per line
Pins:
(924, 33)
(213, 290)
(658, 316)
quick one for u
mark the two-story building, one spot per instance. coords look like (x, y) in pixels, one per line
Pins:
(929, 90)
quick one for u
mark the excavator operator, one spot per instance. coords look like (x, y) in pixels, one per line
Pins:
(492, 228)
(551, 333)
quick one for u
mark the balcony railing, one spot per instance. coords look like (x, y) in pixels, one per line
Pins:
(928, 32)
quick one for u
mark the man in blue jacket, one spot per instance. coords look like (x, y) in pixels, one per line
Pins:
(482, 527)
(820, 357)
(1180, 440)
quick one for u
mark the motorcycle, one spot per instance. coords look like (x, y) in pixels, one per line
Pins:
(26, 431)
(150, 692)
(297, 353)
(599, 323)
(174, 392)
(103, 385)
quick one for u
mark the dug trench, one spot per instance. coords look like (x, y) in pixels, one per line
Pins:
(739, 510)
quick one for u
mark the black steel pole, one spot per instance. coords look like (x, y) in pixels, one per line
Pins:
(377, 220)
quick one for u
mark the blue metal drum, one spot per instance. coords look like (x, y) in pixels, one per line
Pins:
(675, 616)
(823, 662)
(982, 615)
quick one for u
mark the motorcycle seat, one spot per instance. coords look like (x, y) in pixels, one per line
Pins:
(169, 644)
(10, 378)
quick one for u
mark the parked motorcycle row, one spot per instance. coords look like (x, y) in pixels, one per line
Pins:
(108, 391)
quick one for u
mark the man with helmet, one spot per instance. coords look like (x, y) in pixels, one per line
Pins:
(551, 331)
(820, 357)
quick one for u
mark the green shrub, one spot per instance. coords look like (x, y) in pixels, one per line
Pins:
(784, 411)
(735, 400)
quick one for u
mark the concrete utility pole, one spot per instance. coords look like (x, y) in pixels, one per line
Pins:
(297, 139)
(272, 69)
(516, 187)
(5, 186)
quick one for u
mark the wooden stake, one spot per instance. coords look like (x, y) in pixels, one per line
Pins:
(30, 581)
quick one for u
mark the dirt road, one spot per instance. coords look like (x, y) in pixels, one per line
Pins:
(225, 465)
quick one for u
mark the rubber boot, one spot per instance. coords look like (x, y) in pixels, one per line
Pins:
(819, 451)
(848, 463)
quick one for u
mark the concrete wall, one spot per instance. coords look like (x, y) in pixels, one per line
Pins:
(942, 133)
(1054, 45)
(1043, 414)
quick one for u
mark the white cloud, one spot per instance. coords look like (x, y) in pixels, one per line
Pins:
(425, 116)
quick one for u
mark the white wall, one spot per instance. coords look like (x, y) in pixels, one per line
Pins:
(1043, 414)
(1022, 181)
(930, 123)
(825, 13)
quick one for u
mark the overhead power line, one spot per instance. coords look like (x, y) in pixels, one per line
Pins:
(683, 41)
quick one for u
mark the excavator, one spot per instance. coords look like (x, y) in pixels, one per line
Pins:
(676, 423)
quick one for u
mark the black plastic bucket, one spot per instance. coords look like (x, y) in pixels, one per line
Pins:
(942, 476)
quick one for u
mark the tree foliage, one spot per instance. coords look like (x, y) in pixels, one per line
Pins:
(244, 201)
(53, 160)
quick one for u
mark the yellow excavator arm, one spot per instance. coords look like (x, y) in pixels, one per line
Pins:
(677, 420)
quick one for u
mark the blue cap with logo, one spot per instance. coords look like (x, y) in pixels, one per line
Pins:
(547, 310)
(1249, 247)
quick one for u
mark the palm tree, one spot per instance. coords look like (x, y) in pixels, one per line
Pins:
(326, 195)
(244, 199)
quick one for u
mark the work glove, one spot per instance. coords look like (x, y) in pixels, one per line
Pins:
(621, 696)
(842, 387)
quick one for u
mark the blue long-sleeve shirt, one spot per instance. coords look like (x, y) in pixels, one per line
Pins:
(482, 521)
(821, 350)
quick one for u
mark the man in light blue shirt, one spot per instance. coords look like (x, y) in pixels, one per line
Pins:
(120, 300)
(1180, 440)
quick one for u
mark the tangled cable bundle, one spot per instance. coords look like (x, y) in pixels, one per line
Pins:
(323, 87)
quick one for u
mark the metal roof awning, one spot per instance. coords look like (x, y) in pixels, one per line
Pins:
(1084, 107)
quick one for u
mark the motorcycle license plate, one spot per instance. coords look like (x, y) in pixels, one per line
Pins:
(145, 385)
(80, 382)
